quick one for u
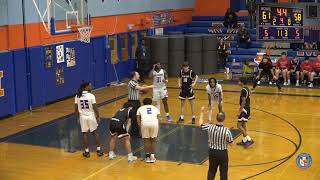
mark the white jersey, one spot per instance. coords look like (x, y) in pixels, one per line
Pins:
(149, 114)
(158, 79)
(214, 92)
(85, 103)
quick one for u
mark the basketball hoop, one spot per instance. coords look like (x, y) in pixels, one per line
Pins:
(85, 34)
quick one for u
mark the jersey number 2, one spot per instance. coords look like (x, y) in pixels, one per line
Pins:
(149, 111)
(84, 104)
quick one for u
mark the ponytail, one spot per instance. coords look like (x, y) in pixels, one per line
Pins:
(81, 88)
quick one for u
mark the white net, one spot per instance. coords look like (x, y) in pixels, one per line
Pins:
(85, 33)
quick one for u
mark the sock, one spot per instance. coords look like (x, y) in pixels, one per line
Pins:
(167, 114)
(98, 148)
(152, 156)
(193, 116)
(111, 153)
(244, 139)
(182, 116)
(86, 150)
(248, 138)
(147, 155)
(298, 81)
(130, 155)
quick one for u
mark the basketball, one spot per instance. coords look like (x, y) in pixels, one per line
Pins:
(144, 91)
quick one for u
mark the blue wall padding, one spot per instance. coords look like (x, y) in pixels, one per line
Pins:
(7, 102)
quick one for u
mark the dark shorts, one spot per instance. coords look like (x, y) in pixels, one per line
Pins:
(117, 129)
(295, 70)
(186, 93)
(244, 116)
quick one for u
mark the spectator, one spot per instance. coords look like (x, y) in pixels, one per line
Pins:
(222, 53)
(251, 7)
(243, 37)
(141, 60)
(230, 19)
(283, 66)
(306, 70)
(295, 69)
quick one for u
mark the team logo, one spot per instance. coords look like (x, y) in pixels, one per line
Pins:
(304, 160)
(1, 89)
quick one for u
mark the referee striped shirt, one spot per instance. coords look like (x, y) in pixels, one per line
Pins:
(219, 136)
(133, 93)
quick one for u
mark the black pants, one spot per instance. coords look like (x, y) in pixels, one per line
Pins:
(268, 74)
(218, 158)
(135, 129)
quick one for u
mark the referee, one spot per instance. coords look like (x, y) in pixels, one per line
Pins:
(134, 100)
(219, 138)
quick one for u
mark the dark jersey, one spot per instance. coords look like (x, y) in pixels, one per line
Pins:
(266, 66)
(245, 93)
(186, 78)
(122, 115)
(295, 66)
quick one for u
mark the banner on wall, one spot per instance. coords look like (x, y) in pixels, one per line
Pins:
(48, 57)
(59, 76)
(1, 89)
(60, 53)
(71, 57)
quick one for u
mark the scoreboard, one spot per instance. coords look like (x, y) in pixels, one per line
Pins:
(280, 23)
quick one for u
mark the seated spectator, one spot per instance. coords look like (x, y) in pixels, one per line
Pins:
(222, 53)
(316, 67)
(266, 69)
(230, 19)
(243, 37)
(306, 70)
(283, 66)
(295, 69)
(314, 46)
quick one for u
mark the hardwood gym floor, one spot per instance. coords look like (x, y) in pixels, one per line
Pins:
(45, 143)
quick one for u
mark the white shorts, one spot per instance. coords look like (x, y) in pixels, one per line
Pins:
(149, 130)
(160, 93)
(88, 123)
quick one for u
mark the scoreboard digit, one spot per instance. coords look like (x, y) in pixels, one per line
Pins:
(280, 23)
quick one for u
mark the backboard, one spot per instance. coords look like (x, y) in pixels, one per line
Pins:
(59, 16)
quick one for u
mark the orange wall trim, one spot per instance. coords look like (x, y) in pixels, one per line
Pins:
(211, 7)
(36, 34)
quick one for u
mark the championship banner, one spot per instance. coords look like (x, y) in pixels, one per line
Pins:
(71, 57)
(60, 54)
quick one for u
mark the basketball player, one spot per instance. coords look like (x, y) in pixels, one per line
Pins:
(87, 113)
(295, 69)
(214, 91)
(265, 69)
(119, 130)
(283, 66)
(244, 113)
(160, 78)
(186, 85)
(148, 119)
(306, 70)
